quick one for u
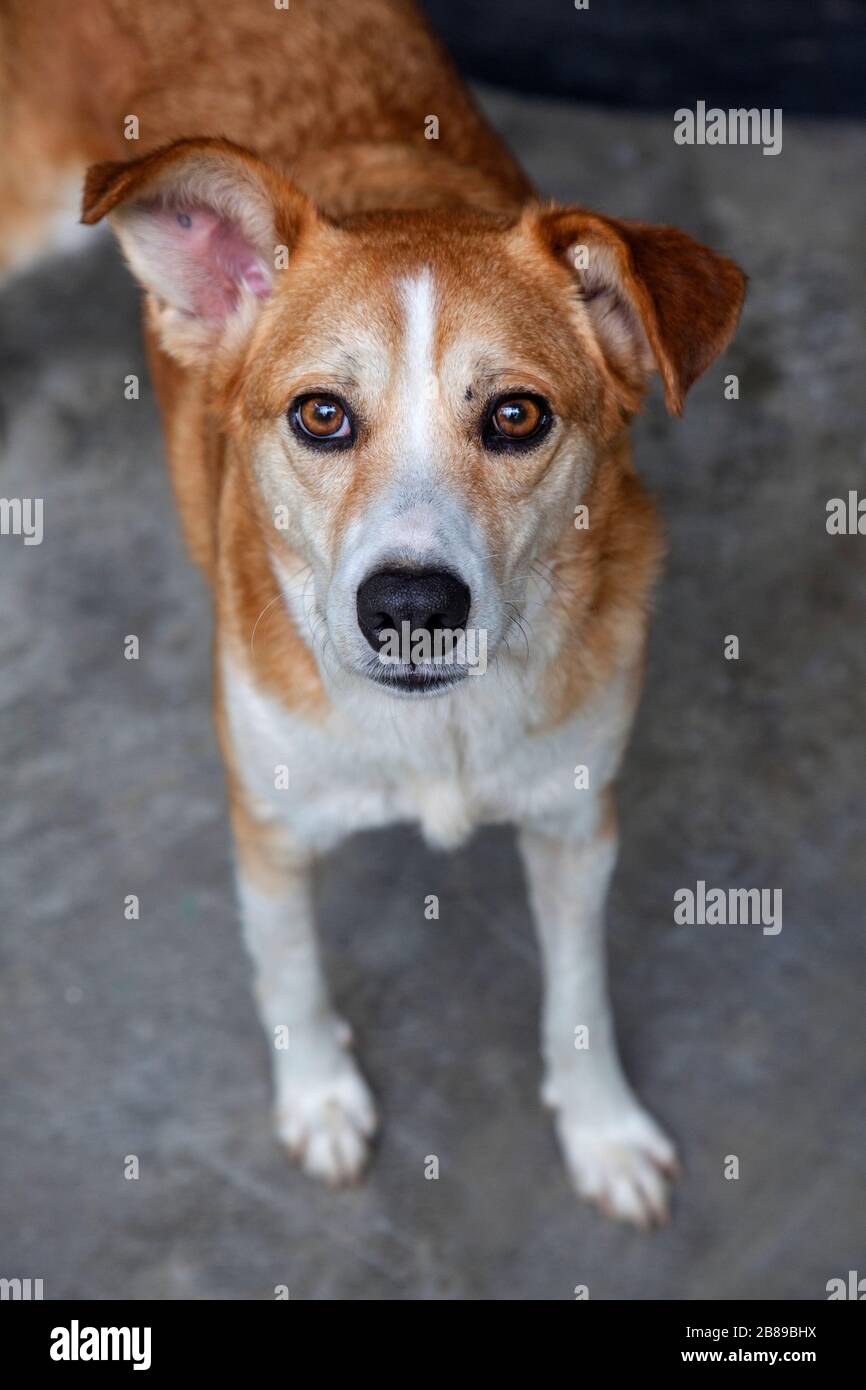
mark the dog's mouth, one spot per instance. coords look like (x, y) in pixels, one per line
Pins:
(426, 661)
(420, 680)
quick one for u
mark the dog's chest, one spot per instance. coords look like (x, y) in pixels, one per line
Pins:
(448, 764)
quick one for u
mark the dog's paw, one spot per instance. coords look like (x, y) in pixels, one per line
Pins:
(623, 1164)
(327, 1123)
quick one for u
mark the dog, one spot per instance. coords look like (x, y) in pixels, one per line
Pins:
(396, 391)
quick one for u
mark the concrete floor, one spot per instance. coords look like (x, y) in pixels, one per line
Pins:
(141, 1038)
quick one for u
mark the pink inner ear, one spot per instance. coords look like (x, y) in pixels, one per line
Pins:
(212, 257)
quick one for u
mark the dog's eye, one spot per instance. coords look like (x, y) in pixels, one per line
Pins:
(516, 420)
(321, 418)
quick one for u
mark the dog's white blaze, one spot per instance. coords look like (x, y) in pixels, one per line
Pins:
(420, 386)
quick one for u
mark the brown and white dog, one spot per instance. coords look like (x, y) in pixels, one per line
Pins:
(390, 379)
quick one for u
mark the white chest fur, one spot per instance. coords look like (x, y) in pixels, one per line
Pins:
(472, 756)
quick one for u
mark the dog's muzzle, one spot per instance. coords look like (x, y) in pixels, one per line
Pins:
(411, 618)
(428, 600)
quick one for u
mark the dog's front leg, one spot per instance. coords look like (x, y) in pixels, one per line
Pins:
(615, 1152)
(323, 1107)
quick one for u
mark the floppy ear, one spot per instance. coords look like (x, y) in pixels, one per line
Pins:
(655, 297)
(204, 225)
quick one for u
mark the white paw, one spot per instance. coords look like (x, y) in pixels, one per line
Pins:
(327, 1122)
(623, 1164)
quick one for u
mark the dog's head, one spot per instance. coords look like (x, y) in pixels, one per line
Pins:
(421, 399)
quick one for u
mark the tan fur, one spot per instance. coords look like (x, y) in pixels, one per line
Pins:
(252, 622)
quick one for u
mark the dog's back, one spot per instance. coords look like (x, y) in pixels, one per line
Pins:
(308, 87)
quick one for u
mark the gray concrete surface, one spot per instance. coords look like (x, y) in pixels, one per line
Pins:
(141, 1038)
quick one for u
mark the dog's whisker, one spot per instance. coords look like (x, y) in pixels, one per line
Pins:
(268, 605)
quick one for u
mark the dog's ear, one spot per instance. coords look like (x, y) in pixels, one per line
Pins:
(206, 227)
(655, 297)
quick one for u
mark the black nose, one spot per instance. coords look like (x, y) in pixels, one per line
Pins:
(426, 599)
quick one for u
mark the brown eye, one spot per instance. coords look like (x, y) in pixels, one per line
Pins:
(321, 418)
(517, 420)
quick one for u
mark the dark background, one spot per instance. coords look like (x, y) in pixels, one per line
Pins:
(803, 55)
